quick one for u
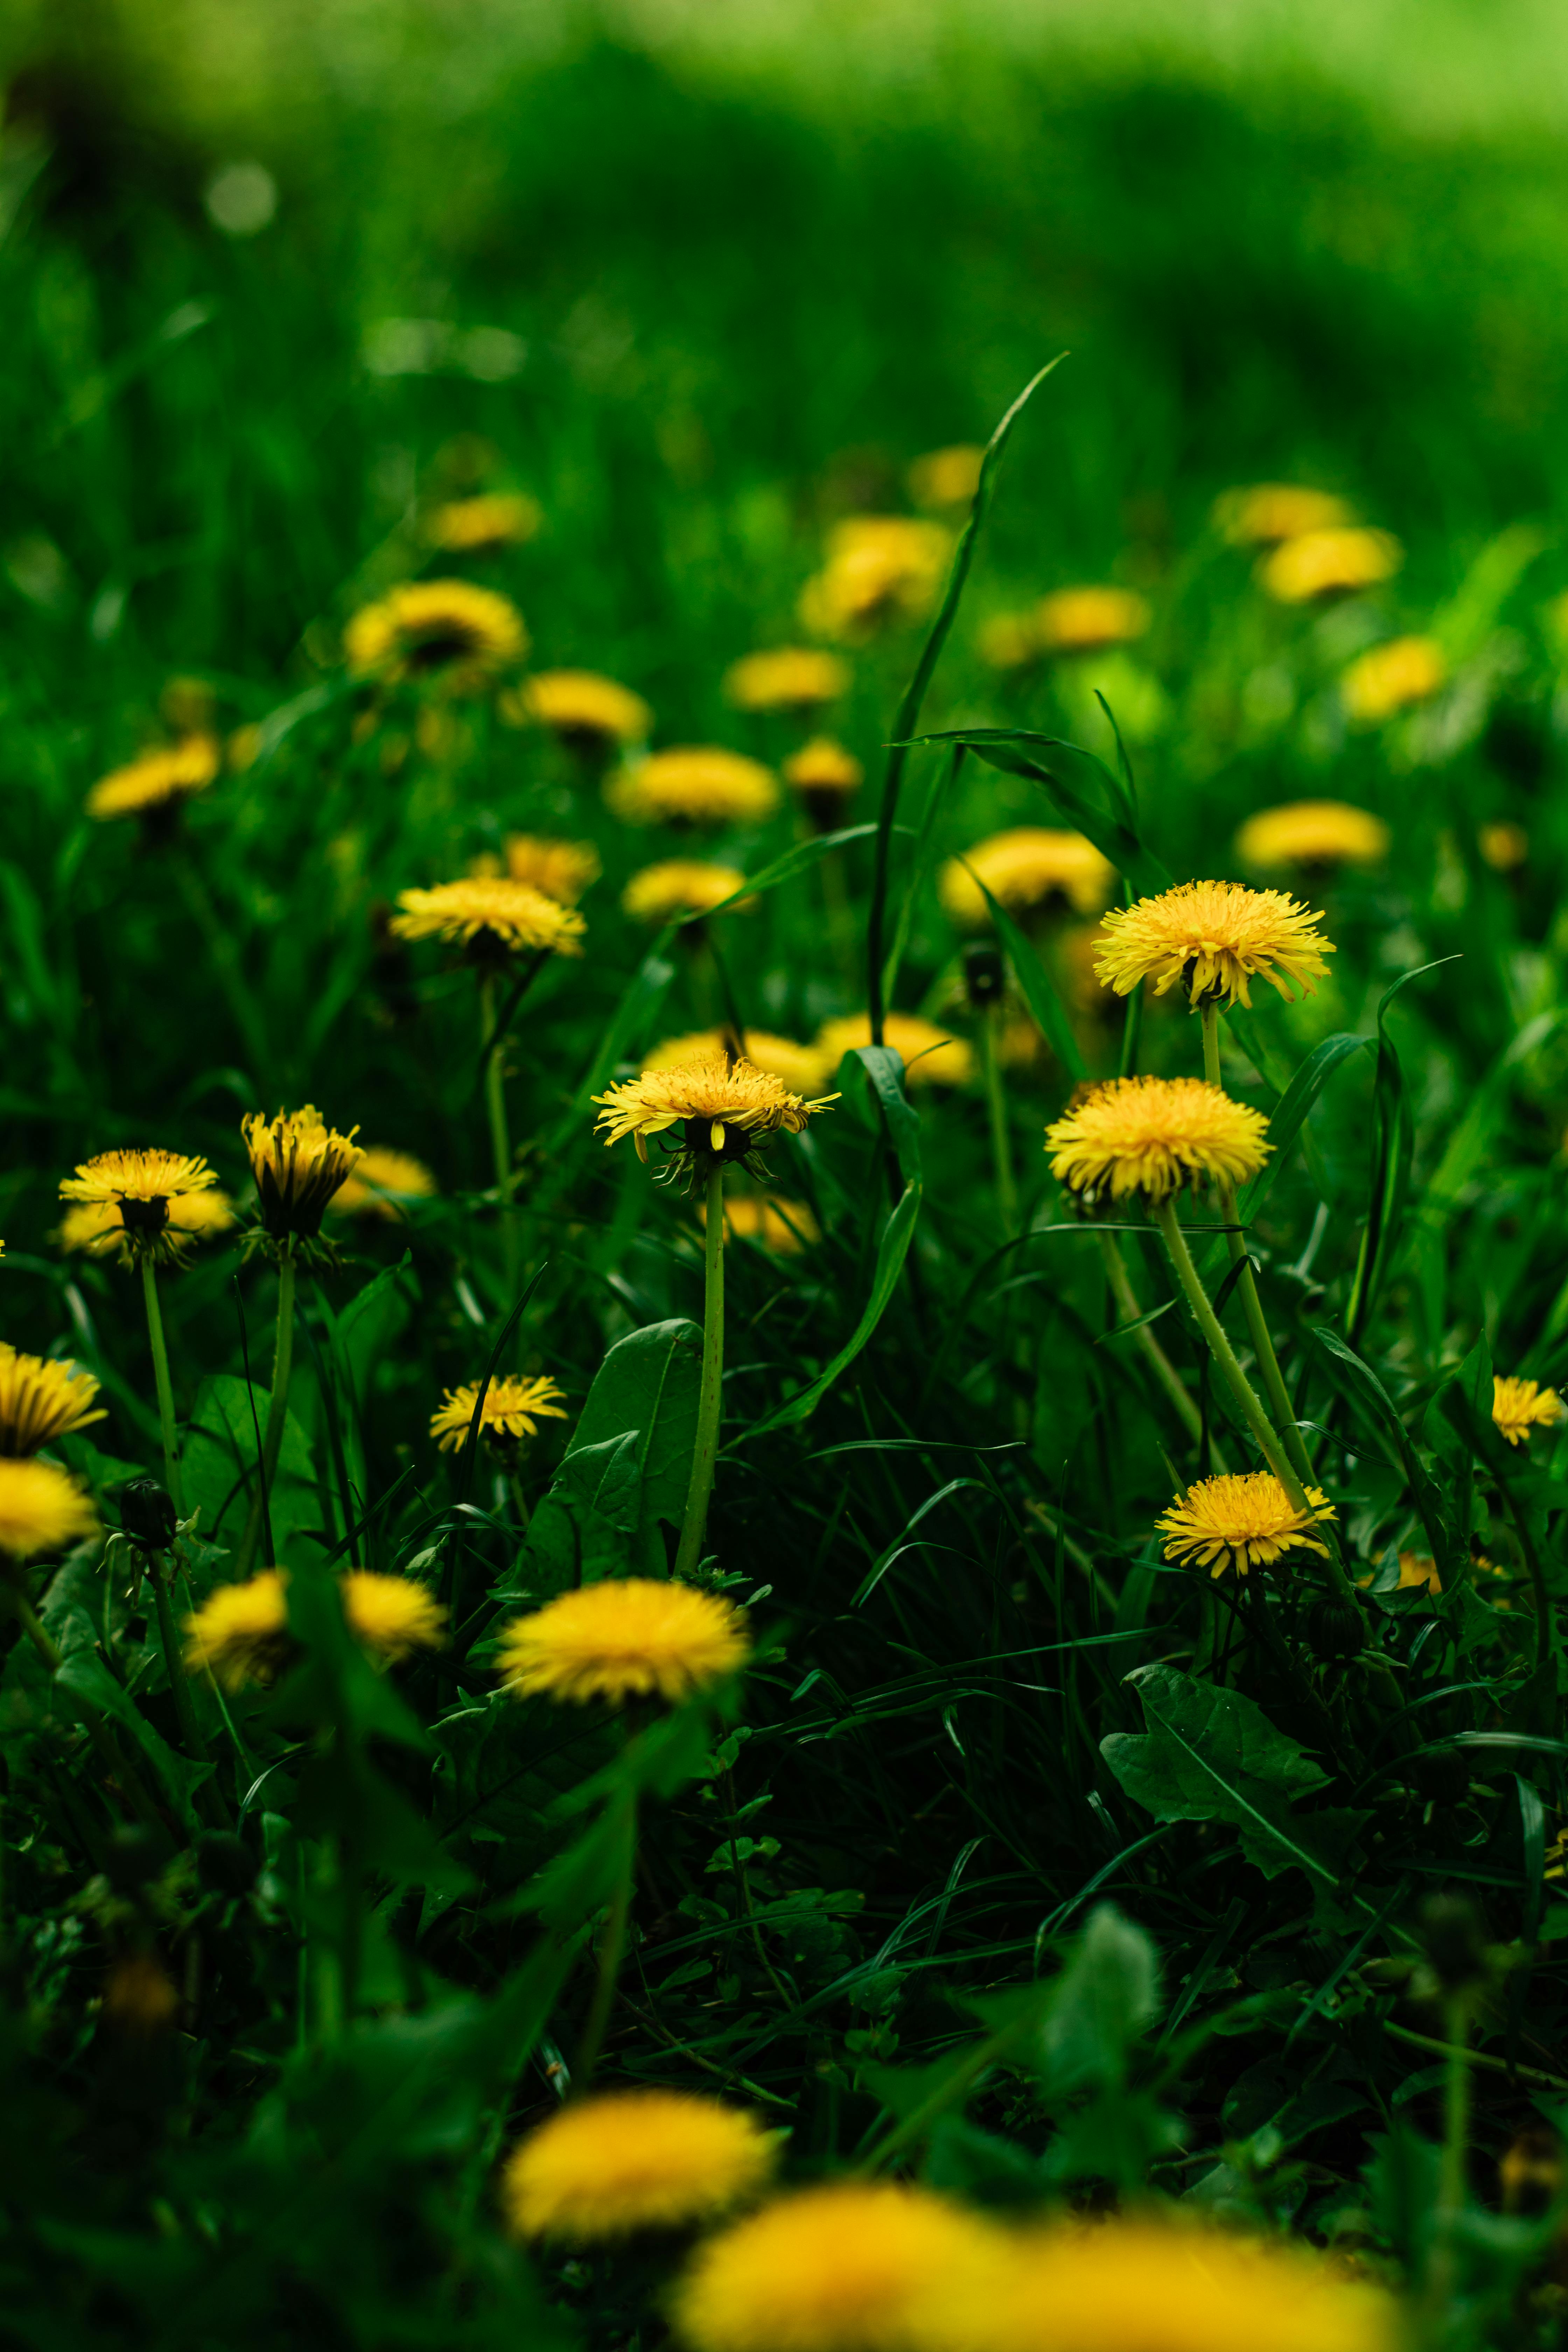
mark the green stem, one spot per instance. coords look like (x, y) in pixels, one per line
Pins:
(1224, 1354)
(165, 1391)
(501, 1135)
(996, 1098)
(1159, 1363)
(277, 1417)
(611, 1951)
(710, 1397)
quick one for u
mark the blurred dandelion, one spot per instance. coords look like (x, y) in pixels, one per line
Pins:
(1309, 833)
(695, 784)
(786, 678)
(42, 1398)
(634, 2160)
(625, 1637)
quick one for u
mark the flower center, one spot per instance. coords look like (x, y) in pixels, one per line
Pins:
(144, 1217)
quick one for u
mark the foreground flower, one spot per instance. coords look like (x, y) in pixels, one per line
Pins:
(634, 2160)
(786, 678)
(1025, 868)
(513, 1409)
(724, 1106)
(799, 1067)
(683, 886)
(443, 629)
(134, 1194)
(1520, 1406)
(588, 711)
(693, 784)
(1330, 563)
(1389, 678)
(930, 1056)
(1084, 620)
(562, 870)
(41, 1509)
(1215, 938)
(1269, 512)
(492, 916)
(241, 1631)
(627, 1636)
(1312, 833)
(1241, 1523)
(154, 786)
(879, 569)
(382, 1185)
(97, 1228)
(42, 1398)
(849, 2267)
(496, 519)
(298, 1163)
(784, 1227)
(1152, 1136)
(946, 477)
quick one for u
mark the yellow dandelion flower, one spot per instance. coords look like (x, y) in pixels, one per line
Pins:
(930, 1056)
(1503, 844)
(1389, 678)
(241, 1631)
(1085, 620)
(1025, 868)
(823, 766)
(693, 784)
(42, 1398)
(683, 886)
(798, 1067)
(298, 1162)
(1215, 938)
(1241, 1522)
(1152, 2287)
(848, 2267)
(390, 1615)
(1009, 640)
(724, 1106)
(491, 917)
(382, 1185)
(41, 1509)
(494, 519)
(1152, 1136)
(1328, 564)
(946, 477)
(584, 708)
(1417, 1573)
(562, 870)
(97, 1228)
(784, 1227)
(513, 1409)
(629, 1635)
(785, 678)
(634, 2160)
(439, 629)
(1312, 833)
(154, 784)
(1269, 512)
(1520, 1406)
(879, 569)
(135, 1195)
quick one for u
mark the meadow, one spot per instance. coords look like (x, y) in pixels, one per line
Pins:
(784, 1259)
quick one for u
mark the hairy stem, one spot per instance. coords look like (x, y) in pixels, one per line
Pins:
(710, 1397)
(165, 1391)
(501, 1135)
(1159, 1363)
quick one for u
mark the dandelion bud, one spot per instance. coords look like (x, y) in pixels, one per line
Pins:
(147, 1513)
(1335, 1629)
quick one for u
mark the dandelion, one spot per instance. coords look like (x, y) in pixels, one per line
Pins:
(846, 2267)
(786, 678)
(42, 1398)
(880, 569)
(1215, 938)
(1388, 678)
(444, 630)
(1504, 846)
(945, 479)
(513, 1409)
(634, 2160)
(1009, 640)
(298, 1163)
(1270, 512)
(241, 1634)
(693, 784)
(133, 1197)
(491, 917)
(930, 1056)
(1025, 868)
(586, 711)
(391, 1616)
(382, 1184)
(784, 1227)
(1336, 562)
(825, 777)
(799, 1067)
(1312, 833)
(1241, 1523)
(1152, 1136)
(562, 870)
(1086, 620)
(97, 1229)
(723, 1106)
(683, 886)
(476, 525)
(1520, 1406)
(153, 787)
(627, 1636)
(41, 1509)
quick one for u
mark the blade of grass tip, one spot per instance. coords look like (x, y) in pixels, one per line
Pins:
(255, 1421)
(470, 1444)
(915, 692)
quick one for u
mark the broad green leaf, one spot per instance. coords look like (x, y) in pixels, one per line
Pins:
(648, 1383)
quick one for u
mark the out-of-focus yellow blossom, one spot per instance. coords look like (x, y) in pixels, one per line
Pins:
(1503, 844)
(693, 784)
(580, 707)
(1086, 620)
(944, 478)
(494, 519)
(444, 630)
(1330, 563)
(382, 1185)
(1390, 678)
(879, 569)
(1267, 512)
(931, 1057)
(683, 886)
(1312, 833)
(786, 678)
(1027, 867)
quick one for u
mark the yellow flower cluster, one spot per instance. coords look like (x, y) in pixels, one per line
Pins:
(144, 1204)
(802, 1068)
(723, 1106)
(1389, 678)
(447, 631)
(676, 887)
(786, 678)
(491, 917)
(1215, 938)
(583, 708)
(1336, 561)
(1309, 833)
(632, 2160)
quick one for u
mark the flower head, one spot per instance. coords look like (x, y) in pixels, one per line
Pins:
(1270, 512)
(799, 1067)
(135, 1195)
(697, 784)
(241, 1631)
(41, 1399)
(784, 1227)
(492, 916)
(634, 2160)
(1389, 678)
(584, 708)
(1009, 640)
(382, 1185)
(1503, 844)
(931, 1057)
(1025, 868)
(1084, 620)
(1312, 833)
(786, 678)
(628, 1634)
(1335, 562)
(825, 775)
(1241, 1523)
(683, 886)
(471, 526)
(946, 477)
(1520, 1406)
(724, 1106)
(846, 2267)
(1215, 938)
(390, 1615)
(879, 569)
(1152, 1136)
(154, 786)
(445, 630)
(513, 1409)
(97, 1227)
(562, 870)
(298, 1163)
(41, 1509)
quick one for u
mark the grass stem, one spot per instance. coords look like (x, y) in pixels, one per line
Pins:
(165, 1391)
(710, 1397)
(277, 1420)
(501, 1135)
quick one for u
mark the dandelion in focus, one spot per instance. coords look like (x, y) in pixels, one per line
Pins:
(786, 678)
(513, 1409)
(1319, 563)
(798, 1067)
(42, 1509)
(1240, 1523)
(1267, 512)
(132, 1197)
(1152, 1136)
(1027, 868)
(693, 784)
(625, 1637)
(97, 1229)
(445, 631)
(382, 1184)
(1311, 834)
(1216, 939)
(42, 1398)
(479, 525)
(491, 917)
(1390, 678)
(717, 1112)
(1087, 620)
(588, 713)
(1520, 1406)
(930, 1055)
(298, 1163)
(631, 2160)
(880, 570)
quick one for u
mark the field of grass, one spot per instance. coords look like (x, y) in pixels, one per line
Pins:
(999, 1853)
